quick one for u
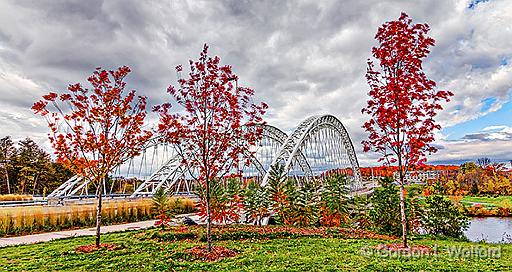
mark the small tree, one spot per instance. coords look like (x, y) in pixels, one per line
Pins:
(403, 100)
(483, 162)
(95, 130)
(334, 200)
(385, 211)
(256, 203)
(226, 204)
(161, 207)
(217, 126)
(276, 189)
(442, 217)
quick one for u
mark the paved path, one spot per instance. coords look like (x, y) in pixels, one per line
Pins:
(45, 237)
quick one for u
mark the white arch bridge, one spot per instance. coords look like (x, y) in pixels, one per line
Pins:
(318, 146)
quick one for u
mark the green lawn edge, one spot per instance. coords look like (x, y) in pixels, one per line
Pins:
(140, 253)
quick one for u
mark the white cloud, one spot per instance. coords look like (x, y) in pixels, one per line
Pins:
(302, 57)
(497, 127)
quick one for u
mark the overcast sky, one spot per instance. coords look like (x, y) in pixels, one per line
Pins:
(302, 57)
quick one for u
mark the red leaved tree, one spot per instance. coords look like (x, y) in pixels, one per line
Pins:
(95, 130)
(217, 126)
(403, 100)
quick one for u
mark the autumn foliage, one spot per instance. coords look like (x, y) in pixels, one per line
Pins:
(95, 130)
(403, 100)
(472, 179)
(218, 124)
(389, 170)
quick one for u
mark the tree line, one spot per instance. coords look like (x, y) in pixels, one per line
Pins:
(25, 168)
(481, 178)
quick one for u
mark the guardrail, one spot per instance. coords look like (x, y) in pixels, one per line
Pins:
(23, 203)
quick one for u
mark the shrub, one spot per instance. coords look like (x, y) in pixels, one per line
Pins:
(182, 205)
(359, 207)
(334, 201)
(442, 217)
(385, 209)
(479, 210)
(291, 204)
(161, 207)
(504, 208)
(164, 207)
(327, 204)
(240, 232)
(303, 204)
(256, 203)
(277, 192)
(225, 201)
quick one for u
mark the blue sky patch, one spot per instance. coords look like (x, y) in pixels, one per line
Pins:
(504, 61)
(473, 3)
(488, 102)
(502, 116)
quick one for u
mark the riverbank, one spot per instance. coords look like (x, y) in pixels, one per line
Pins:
(492, 201)
(486, 206)
(146, 251)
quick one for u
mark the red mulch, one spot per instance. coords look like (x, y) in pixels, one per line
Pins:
(400, 248)
(217, 253)
(92, 248)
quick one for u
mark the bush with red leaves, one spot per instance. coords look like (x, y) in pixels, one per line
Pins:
(92, 248)
(217, 253)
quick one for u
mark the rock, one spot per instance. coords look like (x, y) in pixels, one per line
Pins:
(189, 222)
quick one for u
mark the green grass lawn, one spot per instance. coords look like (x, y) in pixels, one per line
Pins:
(140, 253)
(486, 200)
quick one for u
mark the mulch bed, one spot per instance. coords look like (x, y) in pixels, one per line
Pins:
(217, 253)
(92, 248)
(240, 232)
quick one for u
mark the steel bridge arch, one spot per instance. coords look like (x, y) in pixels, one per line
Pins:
(169, 174)
(172, 173)
(305, 130)
(279, 136)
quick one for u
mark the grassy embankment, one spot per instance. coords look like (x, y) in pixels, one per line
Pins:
(153, 250)
(487, 201)
(482, 206)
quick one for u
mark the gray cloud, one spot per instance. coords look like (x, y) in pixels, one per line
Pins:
(302, 57)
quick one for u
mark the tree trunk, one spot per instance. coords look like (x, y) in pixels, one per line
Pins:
(34, 185)
(7, 180)
(98, 214)
(402, 211)
(209, 218)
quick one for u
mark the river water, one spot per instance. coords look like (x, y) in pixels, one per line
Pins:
(490, 229)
